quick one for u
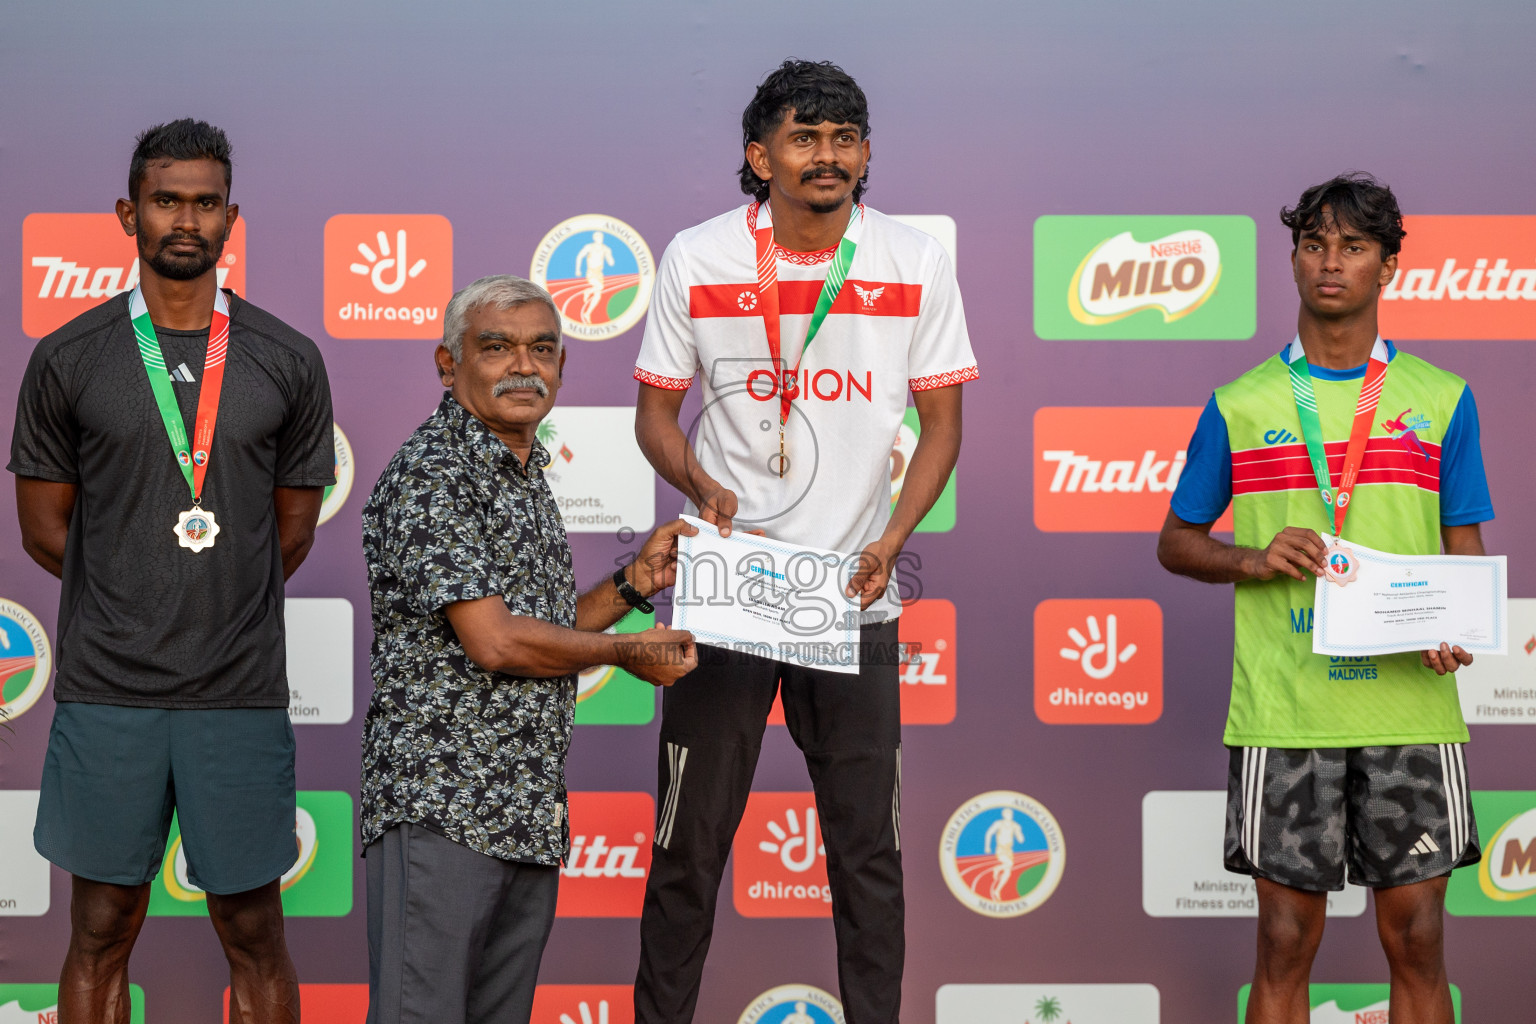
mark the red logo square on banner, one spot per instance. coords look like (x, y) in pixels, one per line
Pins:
(779, 862)
(927, 629)
(583, 1004)
(611, 835)
(1099, 662)
(73, 261)
(327, 1004)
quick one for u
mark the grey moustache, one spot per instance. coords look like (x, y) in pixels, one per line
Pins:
(520, 383)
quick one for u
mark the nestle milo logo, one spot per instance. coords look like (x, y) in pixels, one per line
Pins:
(1145, 278)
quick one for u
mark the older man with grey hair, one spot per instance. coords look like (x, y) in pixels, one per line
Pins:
(478, 636)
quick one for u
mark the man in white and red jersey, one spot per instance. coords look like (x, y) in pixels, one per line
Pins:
(807, 318)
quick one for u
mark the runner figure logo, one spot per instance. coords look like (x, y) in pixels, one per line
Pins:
(1002, 854)
(600, 273)
(25, 659)
(793, 1004)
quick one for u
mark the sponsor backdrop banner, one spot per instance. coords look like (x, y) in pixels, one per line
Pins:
(1106, 178)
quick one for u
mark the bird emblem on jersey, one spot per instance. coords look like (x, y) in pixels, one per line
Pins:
(869, 295)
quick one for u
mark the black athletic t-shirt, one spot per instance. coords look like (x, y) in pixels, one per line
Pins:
(143, 621)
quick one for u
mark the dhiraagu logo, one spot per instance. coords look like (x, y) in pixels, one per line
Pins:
(319, 884)
(1346, 1004)
(606, 695)
(39, 1004)
(940, 518)
(1504, 882)
(1145, 278)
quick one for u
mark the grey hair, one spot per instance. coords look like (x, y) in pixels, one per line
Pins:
(500, 290)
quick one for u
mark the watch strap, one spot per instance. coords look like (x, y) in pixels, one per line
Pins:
(629, 593)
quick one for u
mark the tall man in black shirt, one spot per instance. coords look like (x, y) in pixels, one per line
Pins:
(173, 540)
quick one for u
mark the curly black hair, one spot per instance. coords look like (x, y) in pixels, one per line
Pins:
(1355, 199)
(185, 139)
(815, 91)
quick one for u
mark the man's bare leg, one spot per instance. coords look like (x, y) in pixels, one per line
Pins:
(1290, 929)
(104, 923)
(263, 986)
(1411, 922)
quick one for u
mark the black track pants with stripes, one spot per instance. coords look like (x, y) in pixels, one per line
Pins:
(849, 727)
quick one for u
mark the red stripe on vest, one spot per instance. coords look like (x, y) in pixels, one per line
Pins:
(866, 298)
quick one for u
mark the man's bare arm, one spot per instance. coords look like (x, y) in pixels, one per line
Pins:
(1189, 550)
(43, 510)
(667, 449)
(297, 510)
(497, 640)
(938, 447)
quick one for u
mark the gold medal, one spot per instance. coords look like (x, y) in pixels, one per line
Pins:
(196, 529)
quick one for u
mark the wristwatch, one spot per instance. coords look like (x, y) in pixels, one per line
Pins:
(630, 594)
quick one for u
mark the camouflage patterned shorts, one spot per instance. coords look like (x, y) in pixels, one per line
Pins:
(1390, 815)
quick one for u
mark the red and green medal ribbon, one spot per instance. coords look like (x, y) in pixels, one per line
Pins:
(768, 294)
(1359, 433)
(193, 458)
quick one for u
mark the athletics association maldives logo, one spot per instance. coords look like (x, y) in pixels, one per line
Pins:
(1002, 854)
(26, 659)
(793, 1004)
(600, 273)
(336, 495)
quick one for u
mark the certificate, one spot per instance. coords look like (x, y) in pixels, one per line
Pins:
(767, 597)
(1392, 603)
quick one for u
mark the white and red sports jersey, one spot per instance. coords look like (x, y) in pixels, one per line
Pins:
(897, 325)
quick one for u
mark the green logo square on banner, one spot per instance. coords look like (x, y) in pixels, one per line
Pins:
(940, 518)
(25, 1004)
(318, 885)
(610, 696)
(1145, 278)
(1503, 884)
(1346, 1004)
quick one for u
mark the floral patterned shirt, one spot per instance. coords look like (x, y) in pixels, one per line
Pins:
(475, 755)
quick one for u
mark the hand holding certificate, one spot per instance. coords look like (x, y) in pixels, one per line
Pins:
(1373, 602)
(767, 597)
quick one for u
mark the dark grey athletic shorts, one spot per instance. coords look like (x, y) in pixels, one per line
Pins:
(113, 775)
(1390, 815)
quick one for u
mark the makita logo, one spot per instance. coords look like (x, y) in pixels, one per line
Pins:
(1279, 437)
(73, 261)
(1482, 279)
(604, 873)
(1463, 279)
(1110, 468)
(1077, 473)
(596, 859)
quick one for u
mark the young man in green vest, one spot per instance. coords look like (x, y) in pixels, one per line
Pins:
(1337, 765)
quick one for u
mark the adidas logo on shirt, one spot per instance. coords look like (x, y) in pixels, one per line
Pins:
(1426, 844)
(182, 375)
